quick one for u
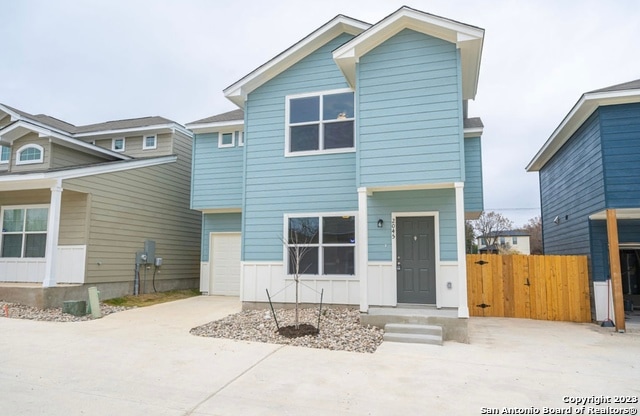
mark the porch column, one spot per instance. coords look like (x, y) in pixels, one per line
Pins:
(362, 244)
(615, 272)
(463, 307)
(53, 228)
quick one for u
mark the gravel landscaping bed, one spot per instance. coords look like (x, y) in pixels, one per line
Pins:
(340, 329)
(18, 311)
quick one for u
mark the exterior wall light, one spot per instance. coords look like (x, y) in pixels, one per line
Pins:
(380, 223)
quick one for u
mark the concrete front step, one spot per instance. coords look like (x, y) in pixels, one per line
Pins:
(413, 333)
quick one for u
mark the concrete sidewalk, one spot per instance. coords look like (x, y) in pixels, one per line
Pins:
(145, 362)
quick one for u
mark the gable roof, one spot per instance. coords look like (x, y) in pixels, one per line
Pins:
(226, 121)
(468, 39)
(238, 91)
(625, 93)
(133, 123)
(233, 115)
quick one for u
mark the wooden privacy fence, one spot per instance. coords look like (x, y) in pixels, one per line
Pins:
(554, 288)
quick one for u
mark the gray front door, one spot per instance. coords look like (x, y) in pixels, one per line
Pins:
(415, 262)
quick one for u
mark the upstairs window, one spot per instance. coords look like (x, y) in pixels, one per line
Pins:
(226, 139)
(321, 245)
(30, 153)
(117, 145)
(321, 123)
(24, 231)
(5, 154)
(149, 142)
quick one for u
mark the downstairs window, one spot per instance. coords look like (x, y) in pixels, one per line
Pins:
(24, 231)
(321, 245)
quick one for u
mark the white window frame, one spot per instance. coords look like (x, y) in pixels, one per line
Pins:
(221, 135)
(4, 162)
(240, 134)
(320, 122)
(23, 232)
(144, 142)
(27, 147)
(320, 245)
(113, 144)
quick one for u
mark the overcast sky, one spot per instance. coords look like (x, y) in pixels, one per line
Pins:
(92, 61)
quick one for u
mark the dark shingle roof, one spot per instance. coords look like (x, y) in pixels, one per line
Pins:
(45, 119)
(472, 123)
(91, 128)
(631, 85)
(234, 115)
(123, 124)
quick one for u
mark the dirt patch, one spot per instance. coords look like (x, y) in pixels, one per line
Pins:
(303, 330)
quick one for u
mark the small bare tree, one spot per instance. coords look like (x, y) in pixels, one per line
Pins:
(491, 226)
(303, 232)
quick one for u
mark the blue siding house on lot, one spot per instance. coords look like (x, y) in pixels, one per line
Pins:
(355, 143)
(590, 165)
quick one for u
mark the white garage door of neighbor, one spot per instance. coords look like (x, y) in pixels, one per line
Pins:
(224, 258)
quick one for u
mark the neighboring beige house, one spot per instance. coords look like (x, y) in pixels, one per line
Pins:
(77, 203)
(513, 241)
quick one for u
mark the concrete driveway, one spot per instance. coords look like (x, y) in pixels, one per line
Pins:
(145, 362)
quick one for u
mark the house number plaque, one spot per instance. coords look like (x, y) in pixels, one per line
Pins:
(393, 228)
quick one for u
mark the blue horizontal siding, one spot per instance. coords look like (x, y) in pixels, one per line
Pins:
(473, 198)
(382, 204)
(217, 174)
(620, 130)
(276, 185)
(211, 223)
(572, 188)
(409, 112)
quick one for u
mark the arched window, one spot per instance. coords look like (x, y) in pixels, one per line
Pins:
(30, 153)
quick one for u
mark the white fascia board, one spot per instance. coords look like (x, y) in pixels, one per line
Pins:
(580, 112)
(468, 39)
(238, 91)
(158, 127)
(473, 132)
(14, 116)
(42, 130)
(219, 210)
(46, 177)
(415, 187)
(199, 128)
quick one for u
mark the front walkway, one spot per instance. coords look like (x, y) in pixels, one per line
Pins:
(144, 361)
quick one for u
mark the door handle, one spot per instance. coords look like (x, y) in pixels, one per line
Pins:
(398, 266)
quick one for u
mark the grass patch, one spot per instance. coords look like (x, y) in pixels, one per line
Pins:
(149, 299)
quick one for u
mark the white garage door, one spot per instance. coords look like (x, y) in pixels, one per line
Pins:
(224, 259)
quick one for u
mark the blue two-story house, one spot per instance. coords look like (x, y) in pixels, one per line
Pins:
(355, 144)
(587, 166)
